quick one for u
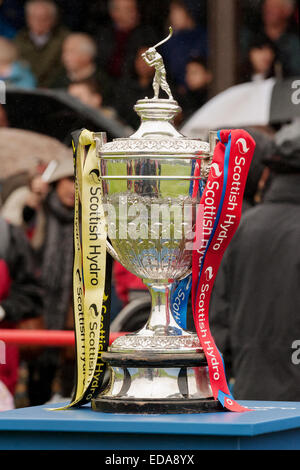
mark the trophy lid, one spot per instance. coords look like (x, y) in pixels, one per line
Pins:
(156, 134)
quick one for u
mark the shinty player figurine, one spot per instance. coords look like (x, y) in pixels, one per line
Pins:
(154, 59)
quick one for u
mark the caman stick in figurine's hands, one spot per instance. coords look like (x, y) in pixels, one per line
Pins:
(154, 59)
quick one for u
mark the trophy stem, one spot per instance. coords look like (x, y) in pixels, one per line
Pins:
(161, 321)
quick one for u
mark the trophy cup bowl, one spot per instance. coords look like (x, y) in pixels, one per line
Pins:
(151, 192)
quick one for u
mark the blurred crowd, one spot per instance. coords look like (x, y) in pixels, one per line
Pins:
(93, 52)
(98, 45)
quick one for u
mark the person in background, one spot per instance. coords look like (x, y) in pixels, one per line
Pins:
(40, 42)
(12, 71)
(120, 39)
(22, 187)
(277, 25)
(261, 62)
(196, 92)
(21, 300)
(90, 93)
(48, 216)
(188, 40)
(79, 53)
(254, 310)
(87, 91)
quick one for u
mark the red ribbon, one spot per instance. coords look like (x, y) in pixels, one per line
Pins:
(219, 215)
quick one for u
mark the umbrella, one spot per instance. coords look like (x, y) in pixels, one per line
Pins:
(22, 150)
(56, 114)
(262, 103)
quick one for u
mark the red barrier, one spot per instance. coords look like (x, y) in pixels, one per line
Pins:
(44, 337)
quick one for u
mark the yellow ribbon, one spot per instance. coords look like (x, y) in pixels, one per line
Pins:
(89, 268)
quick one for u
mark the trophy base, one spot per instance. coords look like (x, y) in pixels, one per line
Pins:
(150, 382)
(156, 406)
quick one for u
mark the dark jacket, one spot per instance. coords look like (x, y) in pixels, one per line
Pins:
(287, 46)
(254, 310)
(45, 62)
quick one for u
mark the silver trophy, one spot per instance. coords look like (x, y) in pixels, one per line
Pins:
(151, 192)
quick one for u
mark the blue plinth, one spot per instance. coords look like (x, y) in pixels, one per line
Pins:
(271, 425)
